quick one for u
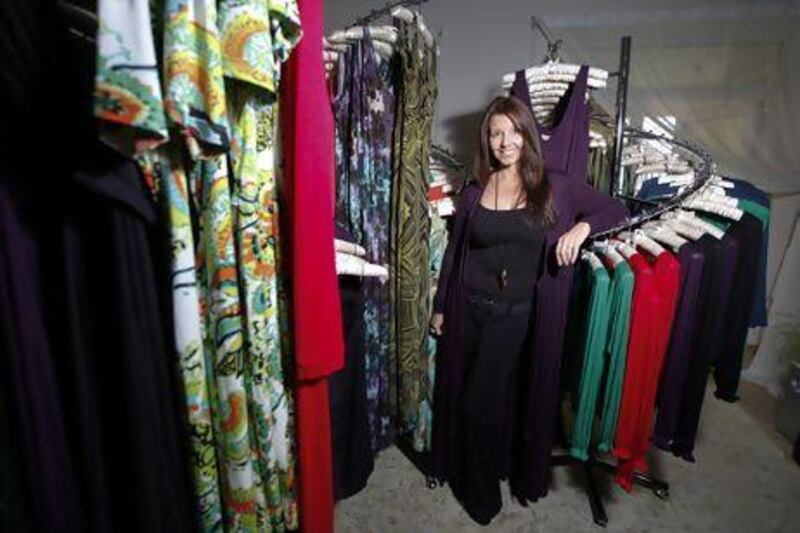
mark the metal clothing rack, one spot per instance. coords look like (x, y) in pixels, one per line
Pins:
(593, 463)
(659, 487)
(618, 189)
(703, 174)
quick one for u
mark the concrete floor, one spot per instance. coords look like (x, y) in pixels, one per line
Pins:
(743, 480)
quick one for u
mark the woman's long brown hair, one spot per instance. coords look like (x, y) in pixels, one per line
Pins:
(538, 195)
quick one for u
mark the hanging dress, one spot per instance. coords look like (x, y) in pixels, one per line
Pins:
(307, 132)
(256, 38)
(410, 225)
(364, 110)
(566, 143)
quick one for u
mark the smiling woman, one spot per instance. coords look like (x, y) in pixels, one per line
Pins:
(506, 239)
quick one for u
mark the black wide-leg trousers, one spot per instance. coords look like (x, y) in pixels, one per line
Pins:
(493, 337)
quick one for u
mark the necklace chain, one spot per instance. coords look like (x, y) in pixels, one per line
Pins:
(502, 277)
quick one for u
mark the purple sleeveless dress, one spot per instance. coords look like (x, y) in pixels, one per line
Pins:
(566, 143)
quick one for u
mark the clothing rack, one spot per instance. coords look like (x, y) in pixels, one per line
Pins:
(385, 10)
(622, 109)
(623, 74)
(621, 132)
(421, 460)
(659, 487)
(703, 175)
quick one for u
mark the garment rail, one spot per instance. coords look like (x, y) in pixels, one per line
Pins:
(421, 460)
(619, 189)
(703, 175)
(623, 74)
(659, 487)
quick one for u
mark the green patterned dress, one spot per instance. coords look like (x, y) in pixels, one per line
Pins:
(410, 227)
(216, 178)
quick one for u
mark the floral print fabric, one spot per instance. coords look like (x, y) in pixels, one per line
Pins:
(363, 109)
(410, 226)
(217, 181)
(127, 86)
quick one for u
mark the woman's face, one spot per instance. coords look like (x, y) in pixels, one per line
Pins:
(505, 140)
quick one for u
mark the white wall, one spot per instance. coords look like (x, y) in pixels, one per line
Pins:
(785, 210)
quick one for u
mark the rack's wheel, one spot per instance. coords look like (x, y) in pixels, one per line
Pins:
(431, 482)
(661, 493)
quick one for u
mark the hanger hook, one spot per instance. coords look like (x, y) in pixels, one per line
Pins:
(553, 49)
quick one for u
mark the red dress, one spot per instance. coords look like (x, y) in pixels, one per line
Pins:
(308, 162)
(652, 311)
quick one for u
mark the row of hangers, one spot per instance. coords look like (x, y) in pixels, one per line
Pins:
(350, 257)
(648, 159)
(384, 37)
(350, 261)
(549, 82)
(448, 178)
(673, 222)
(672, 230)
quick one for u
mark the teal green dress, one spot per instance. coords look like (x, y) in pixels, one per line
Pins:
(621, 293)
(594, 344)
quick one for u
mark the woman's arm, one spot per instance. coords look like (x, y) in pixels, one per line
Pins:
(599, 210)
(465, 200)
(595, 212)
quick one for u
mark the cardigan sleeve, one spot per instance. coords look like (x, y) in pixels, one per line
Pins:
(468, 195)
(598, 209)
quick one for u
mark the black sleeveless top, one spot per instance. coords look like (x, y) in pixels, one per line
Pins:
(503, 241)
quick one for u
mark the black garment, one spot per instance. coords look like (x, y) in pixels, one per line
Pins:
(495, 338)
(84, 300)
(575, 339)
(728, 365)
(504, 240)
(34, 150)
(106, 276)
(721, 330)
(716, 285)
(692, 257)
(15, 506)
(347, 390)
(28, 378)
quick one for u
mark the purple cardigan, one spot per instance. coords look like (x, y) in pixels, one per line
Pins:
(573, 202)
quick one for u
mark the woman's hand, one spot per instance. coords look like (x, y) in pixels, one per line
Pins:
(570, 243)
(437, 321)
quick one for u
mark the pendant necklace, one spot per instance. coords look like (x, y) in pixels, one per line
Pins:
(503, 276)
